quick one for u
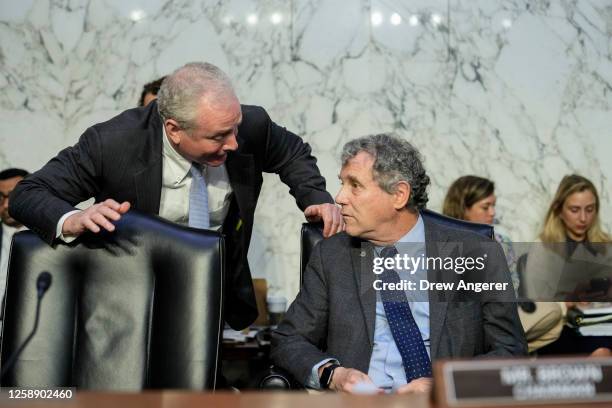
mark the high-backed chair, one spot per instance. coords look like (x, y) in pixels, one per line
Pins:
(311, 234)
(135, 309)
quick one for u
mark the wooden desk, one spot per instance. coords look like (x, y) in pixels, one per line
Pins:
(172, 399)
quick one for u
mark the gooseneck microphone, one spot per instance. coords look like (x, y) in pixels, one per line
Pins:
(43, 283)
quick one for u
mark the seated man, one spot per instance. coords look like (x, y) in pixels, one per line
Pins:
(9, 226)
(348, 327)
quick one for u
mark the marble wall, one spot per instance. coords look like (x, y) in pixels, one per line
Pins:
(519, 91)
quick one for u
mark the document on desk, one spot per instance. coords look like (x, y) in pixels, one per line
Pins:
(596, 308)
(238, 336)
(366, 388)
(601, 329)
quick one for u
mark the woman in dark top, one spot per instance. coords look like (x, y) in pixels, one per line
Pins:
(572, 226)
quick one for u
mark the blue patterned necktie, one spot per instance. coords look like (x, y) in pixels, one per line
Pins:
(198, 199)
(403, 327)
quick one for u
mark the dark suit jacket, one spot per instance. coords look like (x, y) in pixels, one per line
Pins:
(122, 159)
(334, 314)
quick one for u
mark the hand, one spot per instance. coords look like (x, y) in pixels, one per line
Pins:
(94, 217)
(421, 385)
(571, 305)
(345, 379)
(329, 214)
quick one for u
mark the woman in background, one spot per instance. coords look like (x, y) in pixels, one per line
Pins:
(571, 225)
(472, 198)
(573, 215)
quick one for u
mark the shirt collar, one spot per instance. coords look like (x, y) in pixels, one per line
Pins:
(180, 164)
(416, 233)
(12, 230)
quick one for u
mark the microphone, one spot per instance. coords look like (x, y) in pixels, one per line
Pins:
(528, 306)
(43, 283)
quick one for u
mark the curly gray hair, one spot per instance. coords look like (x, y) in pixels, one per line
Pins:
(180, 91)
(395, 160)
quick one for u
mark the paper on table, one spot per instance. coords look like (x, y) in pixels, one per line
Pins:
(239, 336)
(596, 308)
(602, 329)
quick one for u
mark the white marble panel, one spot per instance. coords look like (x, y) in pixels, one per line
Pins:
(526, 71)
(14, 11)
(415, 31)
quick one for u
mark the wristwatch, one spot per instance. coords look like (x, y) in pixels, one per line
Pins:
(326, 376)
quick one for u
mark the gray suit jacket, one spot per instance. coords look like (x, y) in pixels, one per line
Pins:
(334, 314)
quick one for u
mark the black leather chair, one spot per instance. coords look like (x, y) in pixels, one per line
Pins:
(277, 378)
(139, 308)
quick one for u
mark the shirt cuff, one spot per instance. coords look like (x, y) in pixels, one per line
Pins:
(60, 225)
(313, 380)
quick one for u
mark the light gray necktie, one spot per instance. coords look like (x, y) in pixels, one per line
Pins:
(198, 199)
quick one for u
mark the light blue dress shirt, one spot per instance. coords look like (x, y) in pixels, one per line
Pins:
(386, 367)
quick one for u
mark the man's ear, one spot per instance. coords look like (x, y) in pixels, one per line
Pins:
(173, 130)
(401, 194)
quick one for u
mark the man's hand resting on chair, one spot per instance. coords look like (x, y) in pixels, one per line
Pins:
(95, 217)
(329, 214)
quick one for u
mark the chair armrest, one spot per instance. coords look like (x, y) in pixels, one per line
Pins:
(277, 379)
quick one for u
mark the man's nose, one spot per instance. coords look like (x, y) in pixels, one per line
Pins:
(341, 197)
(231, 144)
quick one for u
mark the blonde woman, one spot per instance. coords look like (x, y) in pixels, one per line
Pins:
(570, 227)
(573, 215)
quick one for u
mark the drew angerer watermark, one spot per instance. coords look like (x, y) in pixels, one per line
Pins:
(411, 265)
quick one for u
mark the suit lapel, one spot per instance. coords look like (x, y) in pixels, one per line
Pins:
(436, 245)
(362, 257)
(240, 171)
(148, 179)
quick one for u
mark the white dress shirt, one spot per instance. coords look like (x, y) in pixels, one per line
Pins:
(7, 236)
(176, 183)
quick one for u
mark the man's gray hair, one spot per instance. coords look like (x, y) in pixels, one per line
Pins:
(395, 160)
(181, 91)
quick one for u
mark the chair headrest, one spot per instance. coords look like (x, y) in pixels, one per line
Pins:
(482, 229)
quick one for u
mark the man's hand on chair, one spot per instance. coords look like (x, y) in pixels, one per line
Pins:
(95, 217)
(329, 214)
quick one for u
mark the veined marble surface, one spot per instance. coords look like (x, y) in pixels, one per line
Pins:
(518, 91)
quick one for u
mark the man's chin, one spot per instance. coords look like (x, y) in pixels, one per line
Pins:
(353, 232)
(216, 162)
